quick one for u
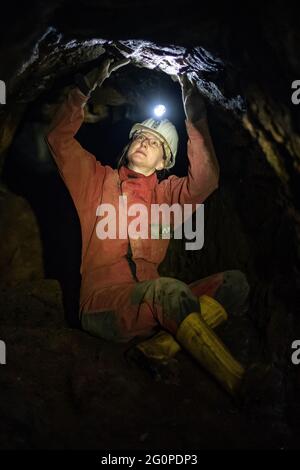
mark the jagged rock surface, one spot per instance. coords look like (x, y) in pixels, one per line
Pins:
(244, 64)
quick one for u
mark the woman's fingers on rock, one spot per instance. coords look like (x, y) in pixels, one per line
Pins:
(107, 61)
(184, 81)
(120, 63)
(125, 61)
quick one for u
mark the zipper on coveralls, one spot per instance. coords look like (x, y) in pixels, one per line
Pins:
(128, 256)
(131, 263)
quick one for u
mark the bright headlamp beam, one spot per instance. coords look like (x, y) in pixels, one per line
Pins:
(159, 110)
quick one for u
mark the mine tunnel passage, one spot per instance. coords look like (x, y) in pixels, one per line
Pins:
(127, 96)
(250, 220)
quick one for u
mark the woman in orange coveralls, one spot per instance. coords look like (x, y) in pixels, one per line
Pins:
(122, 295)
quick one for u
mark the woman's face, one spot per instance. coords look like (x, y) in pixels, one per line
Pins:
(145, 154)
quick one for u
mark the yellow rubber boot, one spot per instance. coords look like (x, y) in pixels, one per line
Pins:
(161, 346)
(201, 342)
(164, 346)
(212, 312)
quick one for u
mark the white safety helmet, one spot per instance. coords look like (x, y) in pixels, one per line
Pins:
(165, 131)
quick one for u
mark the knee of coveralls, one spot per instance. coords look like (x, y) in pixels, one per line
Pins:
(102, 324)
(171, 301)
(233, 293)
(119, 313)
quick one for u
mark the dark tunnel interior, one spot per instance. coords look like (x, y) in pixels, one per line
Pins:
(33, 174)
(79, 391)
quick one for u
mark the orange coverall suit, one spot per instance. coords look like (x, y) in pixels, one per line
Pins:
(122, 295)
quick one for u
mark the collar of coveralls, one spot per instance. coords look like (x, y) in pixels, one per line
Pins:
(126, 173)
